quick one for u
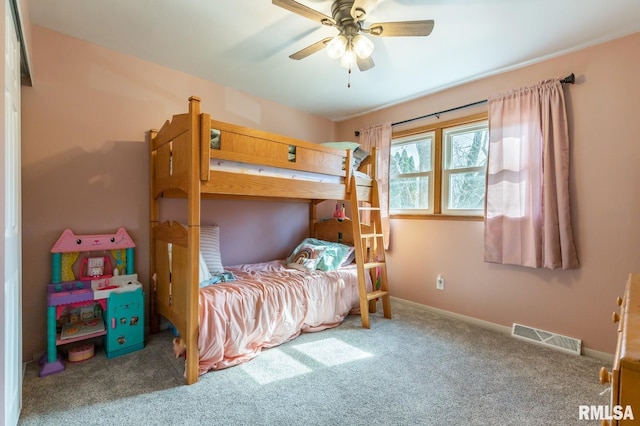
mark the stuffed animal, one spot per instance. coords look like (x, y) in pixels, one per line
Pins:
(179, 348)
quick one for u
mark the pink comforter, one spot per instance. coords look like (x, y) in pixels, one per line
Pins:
(267, 305)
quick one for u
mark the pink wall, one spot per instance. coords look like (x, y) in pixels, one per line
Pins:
(85, 159)
(85, 167)
(603, 110)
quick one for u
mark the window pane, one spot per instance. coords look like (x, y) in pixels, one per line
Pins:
(411, 157)
(409, 193)
(466, 190)
(467, 147)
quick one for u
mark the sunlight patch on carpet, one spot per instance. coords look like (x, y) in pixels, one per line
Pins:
(273, 365)
(331, 351)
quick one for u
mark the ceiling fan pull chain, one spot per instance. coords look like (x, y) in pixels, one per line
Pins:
(349, 78)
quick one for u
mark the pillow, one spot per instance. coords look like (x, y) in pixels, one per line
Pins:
(332, 255)
(203, 270)
(305, 257)
(215, 139)
(204, 274)
(358, 154)
(210, 248)
(342, 145)
(350, 257)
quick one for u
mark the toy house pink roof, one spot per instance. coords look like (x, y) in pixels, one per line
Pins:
(68, 242)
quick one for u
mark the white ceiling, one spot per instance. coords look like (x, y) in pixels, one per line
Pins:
(245, 44)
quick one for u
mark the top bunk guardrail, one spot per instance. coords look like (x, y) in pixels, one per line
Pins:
(193, 142)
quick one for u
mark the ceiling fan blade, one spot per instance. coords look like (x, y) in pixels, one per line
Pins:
(302, 10)
(361, 8)
(400, 29)
(309, 50)
(364, 64)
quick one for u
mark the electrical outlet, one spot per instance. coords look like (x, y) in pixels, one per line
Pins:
(440, 282)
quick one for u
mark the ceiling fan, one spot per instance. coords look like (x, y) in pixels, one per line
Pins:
(350, 45)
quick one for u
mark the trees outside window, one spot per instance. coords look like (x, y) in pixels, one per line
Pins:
(440, 170)
(411, 174)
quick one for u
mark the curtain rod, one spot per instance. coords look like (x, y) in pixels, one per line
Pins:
(570, 79)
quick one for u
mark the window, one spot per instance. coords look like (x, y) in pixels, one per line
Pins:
(439, 170)
(411, 174)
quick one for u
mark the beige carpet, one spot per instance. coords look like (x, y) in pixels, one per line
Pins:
(417, 369)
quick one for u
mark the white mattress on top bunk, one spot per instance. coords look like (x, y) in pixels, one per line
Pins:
(255, 169)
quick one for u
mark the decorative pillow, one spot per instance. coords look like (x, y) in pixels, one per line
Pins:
(334, 256)
(210, 248)
(305, 257)
(331, 255)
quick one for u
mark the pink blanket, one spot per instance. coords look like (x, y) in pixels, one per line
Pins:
(267, 305)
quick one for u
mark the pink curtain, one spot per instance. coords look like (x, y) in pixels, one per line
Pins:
(380, 137)
(527, 220)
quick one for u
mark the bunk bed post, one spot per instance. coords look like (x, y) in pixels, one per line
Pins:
(193, 238)
(153, 223)
(313, 216)
(347, 169)
(374, 163)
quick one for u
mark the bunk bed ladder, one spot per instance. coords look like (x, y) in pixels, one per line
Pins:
(370, 256)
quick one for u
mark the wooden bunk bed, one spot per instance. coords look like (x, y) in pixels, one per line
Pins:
(181, 155)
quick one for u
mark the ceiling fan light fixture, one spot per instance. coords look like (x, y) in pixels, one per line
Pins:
(348, 58)
(337, 46)
(362, 46)
(348, 16)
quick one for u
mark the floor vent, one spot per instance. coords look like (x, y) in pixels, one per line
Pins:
(546, 338)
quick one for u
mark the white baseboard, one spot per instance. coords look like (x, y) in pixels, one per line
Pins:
(602, 356)
(591, 353)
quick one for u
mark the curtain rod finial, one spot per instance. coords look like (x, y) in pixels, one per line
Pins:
(570, 79)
